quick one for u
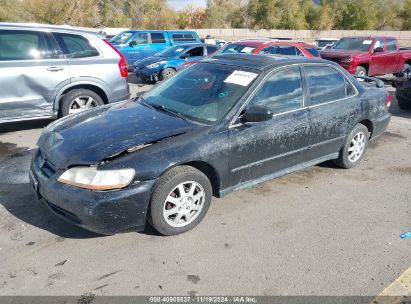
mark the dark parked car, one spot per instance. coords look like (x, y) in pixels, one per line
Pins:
(221, 125)
(402, 85)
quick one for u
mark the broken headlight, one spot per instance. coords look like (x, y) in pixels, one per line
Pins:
(93, 179)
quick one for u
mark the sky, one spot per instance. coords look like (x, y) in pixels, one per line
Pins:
(179, 4)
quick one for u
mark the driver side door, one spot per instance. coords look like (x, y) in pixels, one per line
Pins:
(268, 149)
(138, 48)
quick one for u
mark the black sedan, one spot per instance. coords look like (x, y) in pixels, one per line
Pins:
(224, 124)
(402, 83)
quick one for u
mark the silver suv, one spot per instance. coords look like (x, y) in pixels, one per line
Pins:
(47, 72)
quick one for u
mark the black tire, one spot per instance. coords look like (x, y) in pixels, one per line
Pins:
(164, 186)
(360, 71)
(167, 73)
(343, 160)
(68, 99)
(403, 104)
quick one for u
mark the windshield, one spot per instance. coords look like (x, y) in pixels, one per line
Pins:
(204, 92)
(353, 44)
(172, 51)
(237, 48)
(122, 37)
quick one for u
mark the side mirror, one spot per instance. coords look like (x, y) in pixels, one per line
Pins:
(132, 43)
(378, 50)
(256, 114)
(185, 56)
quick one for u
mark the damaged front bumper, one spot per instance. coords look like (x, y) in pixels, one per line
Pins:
(148, 74)
(104, 212)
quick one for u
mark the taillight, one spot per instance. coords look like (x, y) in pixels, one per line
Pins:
(122, 64)
(388, 102)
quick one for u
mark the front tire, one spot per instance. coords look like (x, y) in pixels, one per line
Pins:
(79, 100)
(180, 200)
(167, 73)
(354, 147)
(360, 71)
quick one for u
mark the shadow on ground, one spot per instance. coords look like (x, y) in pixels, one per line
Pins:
(24, 125)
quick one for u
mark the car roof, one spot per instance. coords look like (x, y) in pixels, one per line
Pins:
(370, 37)
(252, 42)
(45, 27)
(261, 62)
(291, 43)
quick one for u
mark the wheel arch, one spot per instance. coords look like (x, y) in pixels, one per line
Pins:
(92, 87)
(369, 125)
(207, 169)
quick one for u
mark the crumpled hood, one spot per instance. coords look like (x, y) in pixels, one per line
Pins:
(89, 137)
(333, 53)
(149, 60)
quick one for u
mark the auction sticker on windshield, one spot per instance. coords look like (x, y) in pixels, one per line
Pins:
(367, 42)
(241, 78)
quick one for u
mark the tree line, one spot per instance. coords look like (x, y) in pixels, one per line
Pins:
(253, 14)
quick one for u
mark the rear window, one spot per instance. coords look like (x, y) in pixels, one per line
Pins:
(20, 45)
(238, 48)
(312, 51)
(75, 46)
(325, 84)
(183, 37)
(157, 38)
(286, 50)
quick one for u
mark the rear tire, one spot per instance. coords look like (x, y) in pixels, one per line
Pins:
(167, 73)
(354, 147)
(180, 200)
(360, 71)
(79, 100)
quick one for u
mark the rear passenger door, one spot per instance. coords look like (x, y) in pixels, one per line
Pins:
(333, 110)
(263, 148)
(32, 71)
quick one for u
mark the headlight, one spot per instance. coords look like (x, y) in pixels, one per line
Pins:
(346, 60)
(93, 179)
(156, 65)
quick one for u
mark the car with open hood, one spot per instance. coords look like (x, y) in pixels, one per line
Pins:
(224, 124)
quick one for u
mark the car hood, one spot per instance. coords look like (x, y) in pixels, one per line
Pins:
(150, 60)
(89, 137)
(340, 53)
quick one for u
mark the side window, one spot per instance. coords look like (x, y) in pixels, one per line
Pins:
(312, 51)
(198, 51)
(325, 84)
(298, 52)
(183, 37)
(281, 92)
(286, 50)
(140, 38)
(157, 38)
(379, 43)
(20, 45)
(75, 46)
(349, 88)
(211, 49)
(391, 45)
(268, 50)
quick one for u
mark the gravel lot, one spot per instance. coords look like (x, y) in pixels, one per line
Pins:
(321, 231)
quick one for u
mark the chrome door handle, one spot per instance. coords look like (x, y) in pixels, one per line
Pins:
(55, 69)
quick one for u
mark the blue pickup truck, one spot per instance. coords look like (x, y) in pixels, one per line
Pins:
(135, 45)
